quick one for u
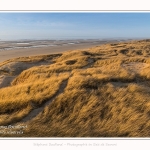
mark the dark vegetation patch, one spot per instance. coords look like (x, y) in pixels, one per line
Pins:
(70, 62)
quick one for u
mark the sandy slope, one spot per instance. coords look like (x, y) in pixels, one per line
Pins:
(100, 92)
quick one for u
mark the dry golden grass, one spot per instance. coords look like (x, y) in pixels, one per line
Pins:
(102, 92)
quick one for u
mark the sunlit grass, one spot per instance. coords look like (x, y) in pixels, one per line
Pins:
(106, 93)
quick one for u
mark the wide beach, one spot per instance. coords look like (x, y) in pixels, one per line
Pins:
(14, 49)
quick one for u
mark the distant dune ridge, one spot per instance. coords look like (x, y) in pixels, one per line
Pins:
(100, 92)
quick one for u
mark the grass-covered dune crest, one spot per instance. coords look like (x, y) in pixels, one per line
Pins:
(100, 92)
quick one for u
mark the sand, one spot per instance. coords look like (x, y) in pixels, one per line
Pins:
(135, 67)
(21, 52)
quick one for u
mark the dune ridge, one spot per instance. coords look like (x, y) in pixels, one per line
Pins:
(100, 92)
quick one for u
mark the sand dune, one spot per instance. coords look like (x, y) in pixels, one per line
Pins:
(101, 91)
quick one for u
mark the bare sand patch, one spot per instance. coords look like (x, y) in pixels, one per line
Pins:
(17, 67)
(10, 70)
(135, 67)
(5, 80)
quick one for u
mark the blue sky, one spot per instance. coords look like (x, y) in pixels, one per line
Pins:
(50, 25)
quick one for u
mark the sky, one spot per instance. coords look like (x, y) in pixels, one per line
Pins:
(73, 25)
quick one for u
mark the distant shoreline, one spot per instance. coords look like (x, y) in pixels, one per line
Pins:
(14, 49)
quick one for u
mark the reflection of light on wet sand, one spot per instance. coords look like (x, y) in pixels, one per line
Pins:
(38, 44)
(26, 47)
(52, 45)
(10, 45)
(71, 43)
(41, 46)
(22, 43)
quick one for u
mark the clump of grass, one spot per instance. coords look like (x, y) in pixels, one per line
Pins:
(9, 118)
(38, 90)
